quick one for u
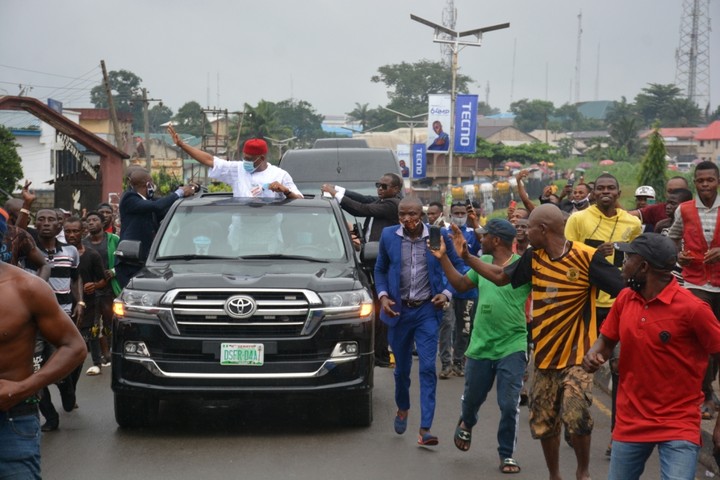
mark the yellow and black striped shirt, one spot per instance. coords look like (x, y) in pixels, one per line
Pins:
(563, 293)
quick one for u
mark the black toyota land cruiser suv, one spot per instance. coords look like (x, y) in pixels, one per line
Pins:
(241, 297)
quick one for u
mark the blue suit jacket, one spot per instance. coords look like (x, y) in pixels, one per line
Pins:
(387, 273)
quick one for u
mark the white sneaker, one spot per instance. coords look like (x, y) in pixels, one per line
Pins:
(94, 370)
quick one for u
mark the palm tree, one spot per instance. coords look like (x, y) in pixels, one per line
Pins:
(360, 114)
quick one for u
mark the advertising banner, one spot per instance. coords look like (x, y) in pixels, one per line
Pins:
(419, 164)
(403, 155)
(438, 123)
(465, 123)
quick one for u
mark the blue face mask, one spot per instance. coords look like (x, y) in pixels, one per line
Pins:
(249, 166)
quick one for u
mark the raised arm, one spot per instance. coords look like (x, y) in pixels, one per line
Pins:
(522, 193)
(202, 157)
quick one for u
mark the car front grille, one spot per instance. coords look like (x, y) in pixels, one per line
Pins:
(278, 313)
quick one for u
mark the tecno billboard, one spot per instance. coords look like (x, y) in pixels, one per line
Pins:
(439, 114)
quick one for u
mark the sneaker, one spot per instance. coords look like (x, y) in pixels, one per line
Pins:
(94, 370)
(445, 373)
(106, 363)
(458, 371)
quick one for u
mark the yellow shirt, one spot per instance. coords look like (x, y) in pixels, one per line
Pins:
(592, 227)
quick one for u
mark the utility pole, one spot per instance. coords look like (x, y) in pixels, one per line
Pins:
(111, 107)
(146, 120)
(456, 44)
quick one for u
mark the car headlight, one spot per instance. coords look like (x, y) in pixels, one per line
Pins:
(137, 300)
(357, 302)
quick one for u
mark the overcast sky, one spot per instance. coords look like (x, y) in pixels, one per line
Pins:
(325, 51)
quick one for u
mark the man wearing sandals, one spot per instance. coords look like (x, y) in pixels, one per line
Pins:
(498, 342)
(663, 328)
(565, 277)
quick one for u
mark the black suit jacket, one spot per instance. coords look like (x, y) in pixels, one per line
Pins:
(140, 218)
(383, 211)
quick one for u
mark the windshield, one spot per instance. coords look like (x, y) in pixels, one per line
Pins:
(270, 232)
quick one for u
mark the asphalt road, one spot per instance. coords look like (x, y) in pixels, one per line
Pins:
(292, 440)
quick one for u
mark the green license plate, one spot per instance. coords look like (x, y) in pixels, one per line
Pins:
(242, 354)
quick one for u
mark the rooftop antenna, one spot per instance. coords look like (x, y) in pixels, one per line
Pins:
(597, 74)
(692, 57)
(449, 17)
(512, 78)
(578, 56)
(487, 93)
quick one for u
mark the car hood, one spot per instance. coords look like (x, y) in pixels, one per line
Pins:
(256, 274)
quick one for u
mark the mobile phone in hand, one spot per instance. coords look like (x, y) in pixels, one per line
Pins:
(434, 237)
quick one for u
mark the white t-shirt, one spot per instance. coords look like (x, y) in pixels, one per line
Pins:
(254, 184)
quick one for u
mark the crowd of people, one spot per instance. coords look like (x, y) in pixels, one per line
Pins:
(564, 282)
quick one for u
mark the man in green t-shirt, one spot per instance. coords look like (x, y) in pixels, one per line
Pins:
(498, 341)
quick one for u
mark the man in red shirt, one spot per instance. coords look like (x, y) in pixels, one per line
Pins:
(664, 328)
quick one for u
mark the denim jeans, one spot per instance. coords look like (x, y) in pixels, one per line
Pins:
(479, 378)
(19, 447)
(678, 459)
(453, 336)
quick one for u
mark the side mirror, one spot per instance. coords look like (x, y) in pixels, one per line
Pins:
(369, 254)
(128, 251)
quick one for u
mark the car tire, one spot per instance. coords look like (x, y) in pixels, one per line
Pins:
(134, 412)
(359, 410)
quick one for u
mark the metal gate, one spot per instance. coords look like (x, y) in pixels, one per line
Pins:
(78, 184)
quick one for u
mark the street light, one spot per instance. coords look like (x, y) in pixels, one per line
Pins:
(280, 144)
(456, 44)
(411, 120)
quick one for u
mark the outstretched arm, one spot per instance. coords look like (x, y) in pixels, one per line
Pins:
(202, 157)
(529, 205)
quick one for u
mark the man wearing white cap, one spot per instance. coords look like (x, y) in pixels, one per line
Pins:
(643, 195)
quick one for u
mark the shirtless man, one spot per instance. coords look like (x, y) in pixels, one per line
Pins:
(33, 310)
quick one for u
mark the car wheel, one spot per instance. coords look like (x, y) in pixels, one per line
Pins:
(133, 412)
(359, 410)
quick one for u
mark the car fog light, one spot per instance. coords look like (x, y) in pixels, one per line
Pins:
(137, 348)
(345, 349)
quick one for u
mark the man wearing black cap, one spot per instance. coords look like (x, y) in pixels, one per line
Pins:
(498, 341)
(664, 328)
(251, 177)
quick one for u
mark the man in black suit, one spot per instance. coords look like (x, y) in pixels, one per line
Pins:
(379, 211)
(140, 216)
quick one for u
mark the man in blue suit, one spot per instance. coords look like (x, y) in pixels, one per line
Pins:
(412, 290)
(140, 216)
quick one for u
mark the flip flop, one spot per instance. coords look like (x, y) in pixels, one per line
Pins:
(510, 465)
(400, 423)
(462, 435)
(427, 440)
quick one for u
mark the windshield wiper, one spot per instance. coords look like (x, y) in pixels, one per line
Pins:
(279, 256)
(192, 256)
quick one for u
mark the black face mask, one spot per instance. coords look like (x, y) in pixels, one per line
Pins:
(634, 284)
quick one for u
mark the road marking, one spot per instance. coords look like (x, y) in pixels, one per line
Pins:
(601, 406)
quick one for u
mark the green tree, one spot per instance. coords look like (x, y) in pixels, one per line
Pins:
(158, 115)
(10, 162)
(360, 115)
(301, 119)
(565, 147)
(532, 114)
(189, 119)
(126, 93)
(666, 105)
(409, 84)
(486, 110)
(623, 126)
(653, 167)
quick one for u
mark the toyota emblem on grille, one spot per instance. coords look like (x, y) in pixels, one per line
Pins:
(240, 306)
